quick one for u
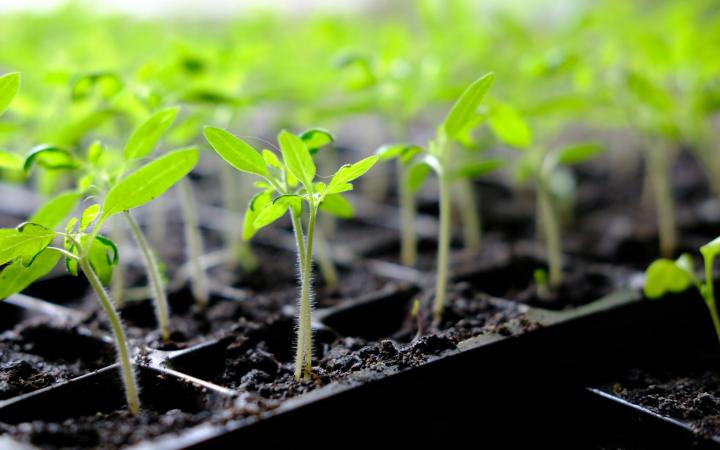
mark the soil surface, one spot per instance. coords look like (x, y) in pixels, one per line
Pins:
(691, 396)
(38, 353)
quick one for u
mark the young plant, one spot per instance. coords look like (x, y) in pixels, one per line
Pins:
(289, 186)
(28, 253)
(666, 275)
(438, 158)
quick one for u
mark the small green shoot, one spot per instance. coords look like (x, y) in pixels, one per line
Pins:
(289, 186)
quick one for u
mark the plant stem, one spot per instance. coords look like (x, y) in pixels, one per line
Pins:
(152, 269)
(302, 331)
(709, 294)
(469, 215)
(193, 240)
(157, 224)
(126, 370)
(552, 234)
(408, 236)
(324, 258)
(657, 160)
(307, 297)
(443, 258)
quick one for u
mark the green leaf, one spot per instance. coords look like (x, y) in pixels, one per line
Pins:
(149, 181)
(663, 276)
(145, 137)
(15, 277)
(350, 172)
(464, 109)
(316, 138)
(711, 249)
(271, 159)
(9, 86)
(293, 201)
(416, 176)
(56, 210)
(236, 152)
(256, 204)
(338, 206)
(479, 168)
(579, 153)
(297, 158)
(24, 242)
(88, 216)
(270, 213)
(11, 161)
(648, 92)
(509, 126)
(406, 152)
(50, 157)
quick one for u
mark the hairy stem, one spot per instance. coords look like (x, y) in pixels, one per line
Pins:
(443, 259)
(325, 262)
(307, 297)
(302, 330)
(658, 161)
(551, 227)
(152, 270)
(126, 370)
(469, 214)
(193, 240)
(408, 235)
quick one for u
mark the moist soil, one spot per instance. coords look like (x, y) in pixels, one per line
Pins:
(38, 353)
(690, 396)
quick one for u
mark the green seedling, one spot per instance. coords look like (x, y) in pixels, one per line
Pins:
(673, 276)
(28, 254)
(438, 158)
(289, 186)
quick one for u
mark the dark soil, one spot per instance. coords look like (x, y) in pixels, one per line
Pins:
(37, 354)
(691, 396)
(582, 283)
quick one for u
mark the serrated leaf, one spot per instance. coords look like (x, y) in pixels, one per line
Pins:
(24, 242)
(146, 137)
(297, 158)
(9, 87)
(464, 109)
(338, 206)
(350, 172)
(50, 157)
(579, 153)
(236, 152)
(509, 126)
(149, 181)
(663, 276)
(56, 210)
(316, 138)
(88, 216)
(15, 277)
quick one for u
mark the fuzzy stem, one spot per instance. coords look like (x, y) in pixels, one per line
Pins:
(193, 241)
(302, 331)
(443, 258)
(126, 370)
(657, 161)
(325, 262)
(307, 297)
(469, 215)
(709, 293)
(551, 228)
(157, 225)
(152, 270)
(408, 235)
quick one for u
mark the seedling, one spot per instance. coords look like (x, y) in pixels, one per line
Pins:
(438, 157)
(667, 275)
(29, 254)
(289, 186)
(544, 168)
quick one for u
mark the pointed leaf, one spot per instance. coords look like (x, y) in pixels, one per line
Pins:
(236, 152)
(269, 214)
(149, 182)
(509, 126)
(50, 157)
(88, 216)
(56, 210)
(338, 206)
(464, 109)
(15, 277)
(350, 172)
(297, 158)
(9, 86)
(145, 137)
(316, 138)
(24, 242)
(256, 205)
